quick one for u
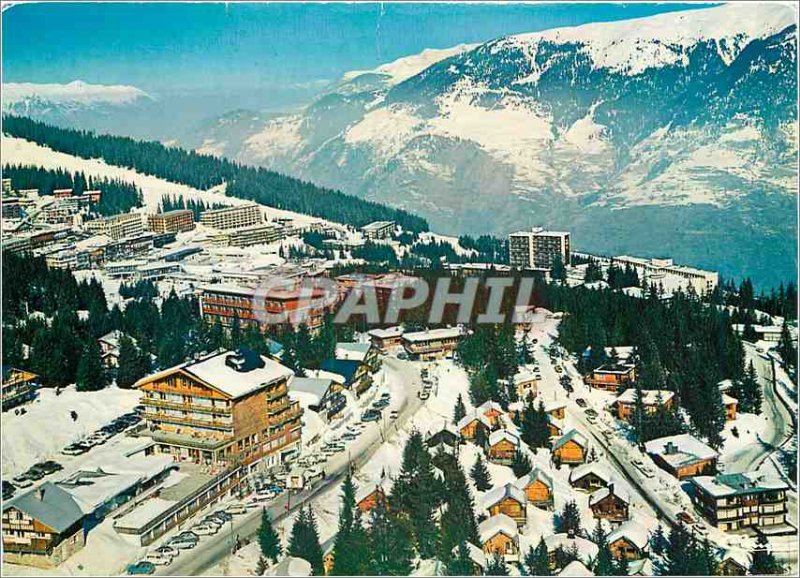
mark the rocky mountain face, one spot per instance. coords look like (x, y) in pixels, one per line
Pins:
(669, 135)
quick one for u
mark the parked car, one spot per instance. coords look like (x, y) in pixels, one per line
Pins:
(167, 551)
(179, 543)
(158, 559)
(386, 395)
(223, 515)
(35, 474)
(212, 521)
(590, 412)
(685, 517)
(581, 402)
(402, 355)
(424, 394)
(381, 403)
(75, 449)
(204, 529)
(393, 414)
(8, 490)
(371, 415)
(236, 509)
(143, 567)
(22, 481)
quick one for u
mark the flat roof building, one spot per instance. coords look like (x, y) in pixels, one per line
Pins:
(538, 249)
(236, 217)
(176, 221)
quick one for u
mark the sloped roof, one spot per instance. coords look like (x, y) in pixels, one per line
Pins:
(649, 396)
(576, 568)
(352, 350)
(290, 566)
(633, 532)
(50, 505)
(614, 489)
(503, 434)
(347, 368)
(688, 449)
(500, 493)
(469, 418)
(219, 371)
(573, 435)
(536, 474)
(591, 468)
(475, 554)
(587, 549)
(497, 523)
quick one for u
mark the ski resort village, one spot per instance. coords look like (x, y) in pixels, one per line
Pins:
(627, 416)
(213, 368)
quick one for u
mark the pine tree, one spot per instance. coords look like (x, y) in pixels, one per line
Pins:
(569, 520)
(763, 561)
(497, 566)
(537, 562)
(349, 551)
(91, 375)
(268, 540)
(604, 564)
(390, 540)
(459, 411)
(521, 464)
(460, 564)
(480, 475)
(749, 392)
(129, 367)
(658, 541)
(304, 541)
(261, 566)
(457, 522)
(677, 561)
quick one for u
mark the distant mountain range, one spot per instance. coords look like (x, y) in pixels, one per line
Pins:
(675, 135)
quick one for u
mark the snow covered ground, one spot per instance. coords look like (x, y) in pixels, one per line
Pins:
(47, 427)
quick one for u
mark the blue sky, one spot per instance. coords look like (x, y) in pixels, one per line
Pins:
(268, 57)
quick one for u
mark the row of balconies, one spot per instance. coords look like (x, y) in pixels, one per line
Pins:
(187, 420)
(187, 406)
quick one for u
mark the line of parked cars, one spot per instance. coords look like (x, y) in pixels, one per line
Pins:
(35, 473)
(165, 554)
(102, 435)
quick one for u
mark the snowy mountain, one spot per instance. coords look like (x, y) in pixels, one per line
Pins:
(673, 134)
(69, 104)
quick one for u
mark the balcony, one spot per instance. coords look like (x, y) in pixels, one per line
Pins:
(277, 393)
(286, 416)
(156, 402)
(185, 420)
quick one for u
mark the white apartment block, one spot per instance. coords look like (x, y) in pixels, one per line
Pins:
(378, 230)
(118, 226)
(236, 217)
(670, 276)
(537, 248)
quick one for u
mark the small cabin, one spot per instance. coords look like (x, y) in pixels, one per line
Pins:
(610, 503)
(731, 405)
(499, 535)
(474, 427)
(538, 488)
(503, 446)
(555, 409)
(370, 495)
(570, 449)
(589, 477)
(629, 541)
(493, 412)
(509, 500)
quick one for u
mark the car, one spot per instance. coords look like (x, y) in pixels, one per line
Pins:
(143, 567)
(212, 521)
(180, 543)
(538, 377)
(35, 474)
(558, 369)
(386, 395)
(402, 355)
(236, 509)
(581, 402)
(370, 415)
(167, 551)
(347, 436)
(424, 394)
(380, 404)
(700, 529)
(223, 515)
(21, 479)
(75, 449)
(8, 490)
(188, 534)
(685, 517)
(393, 414)
(158, 559)
(590, 412)
(204, 529)
(591, 420)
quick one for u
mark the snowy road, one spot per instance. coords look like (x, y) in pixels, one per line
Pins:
(750, 457)
(214, 549)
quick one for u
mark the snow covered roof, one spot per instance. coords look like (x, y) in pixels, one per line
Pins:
(587, 550)
(680, 449)
(503, 434)
(232, 373)
(649, 396)
(489, 405)
(536, 474)
(144, 513)
(553, 405)
(290, 566)
(431, 334)
(385, 485)
(741, 557)
(387, 333)
(352, 351)
(590, 468)
(641, 567)
(735, 484)
(725, 385)
(497, 523)
(576, 568)
(470, 417)
(524, 377)
(633, 532)
(611, 489)
(500, 493)
(112, 338)
(728, 400)
(315, 386)
(571, 435)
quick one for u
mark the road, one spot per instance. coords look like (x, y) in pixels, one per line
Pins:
(750, 457)
(212, 550)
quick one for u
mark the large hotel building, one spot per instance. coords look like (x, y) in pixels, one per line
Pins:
(537, 248)
(737, 501)
(235, 217)
(228, 407)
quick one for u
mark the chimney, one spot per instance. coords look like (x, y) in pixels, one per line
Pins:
(611, 488)
(40, 493)
(571, 534)
(670, 448)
